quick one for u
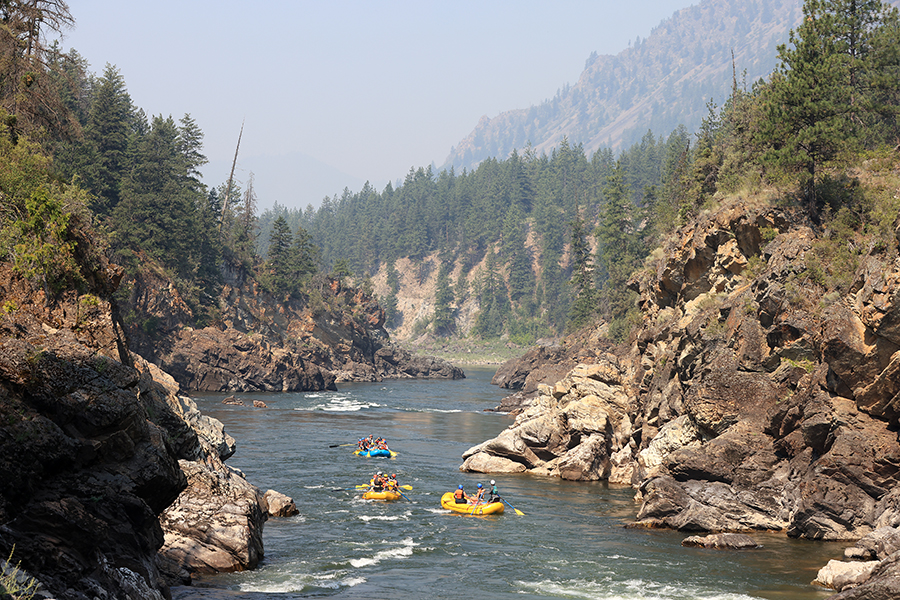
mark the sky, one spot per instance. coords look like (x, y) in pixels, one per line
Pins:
(334, 93)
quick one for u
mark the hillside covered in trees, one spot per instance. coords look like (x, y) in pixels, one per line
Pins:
(557, 235)
(540, 242)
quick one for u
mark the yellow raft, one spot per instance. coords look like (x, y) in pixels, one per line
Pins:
(492, 508)
(387, 495)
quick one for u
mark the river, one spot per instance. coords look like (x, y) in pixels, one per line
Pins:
(570, 543)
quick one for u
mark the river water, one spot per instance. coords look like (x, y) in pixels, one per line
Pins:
(570, 543)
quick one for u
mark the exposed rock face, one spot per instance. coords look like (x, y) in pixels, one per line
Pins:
(87, 456)
(261, 343)
(216, 526)
(570, 430)
(546, 363)
(216, 523)
(96, 443)
(750, 400)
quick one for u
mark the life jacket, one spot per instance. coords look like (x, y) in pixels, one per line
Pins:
(458, 494)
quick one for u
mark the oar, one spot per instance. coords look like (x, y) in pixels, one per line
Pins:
(402, 494)
(339, 445)
(518, 512)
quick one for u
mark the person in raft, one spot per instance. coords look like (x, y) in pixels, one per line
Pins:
(378, 482)
(479, 497)
(495, 494)
(460, 496)
(391, 482)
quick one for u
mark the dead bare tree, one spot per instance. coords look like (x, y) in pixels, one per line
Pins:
(27, 92)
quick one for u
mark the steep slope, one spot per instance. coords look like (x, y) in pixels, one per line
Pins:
(664, 81)
(753, 398)
(260, 342)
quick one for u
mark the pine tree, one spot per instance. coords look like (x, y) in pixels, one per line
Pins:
(107, 133)
(305, 257)
(444, 321)
(822, 93)
(584, 306)
(278, 265)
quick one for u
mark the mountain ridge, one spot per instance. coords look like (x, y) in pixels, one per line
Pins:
(596, 112)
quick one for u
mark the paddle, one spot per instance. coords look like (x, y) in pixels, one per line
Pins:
(518, 512)
(340, 445)
(405, 487)
(402, 494)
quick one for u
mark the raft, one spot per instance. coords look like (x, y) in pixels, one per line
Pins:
(376, 452)
(386, 495)
(492, 508)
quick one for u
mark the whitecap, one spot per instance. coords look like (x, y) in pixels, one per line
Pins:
(606, 589)
(401, 552)
(368, 518)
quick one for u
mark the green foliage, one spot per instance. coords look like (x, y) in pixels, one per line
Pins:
(834, 258)
(830, 83)
(584, 308)
(341, 269)
(38, 217)
(13, 584)
(444, 319)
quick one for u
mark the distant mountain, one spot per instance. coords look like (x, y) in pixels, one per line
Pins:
(658, 83)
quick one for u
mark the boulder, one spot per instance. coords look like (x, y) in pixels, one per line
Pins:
(883, 582)
(216, 524)
(839, 575)
(280, 505)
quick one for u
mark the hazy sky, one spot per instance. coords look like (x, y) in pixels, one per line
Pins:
(334, 93)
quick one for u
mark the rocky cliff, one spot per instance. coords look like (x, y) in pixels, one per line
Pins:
(753, 398)
(96, 444)
(258, 342)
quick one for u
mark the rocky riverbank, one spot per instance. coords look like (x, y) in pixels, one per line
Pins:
(96, 444)
(262, 343)
(751, 399)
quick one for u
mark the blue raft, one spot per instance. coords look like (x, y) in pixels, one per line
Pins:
(376, 452)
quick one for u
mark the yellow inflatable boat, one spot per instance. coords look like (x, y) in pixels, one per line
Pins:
(491, 508)
(387, 495)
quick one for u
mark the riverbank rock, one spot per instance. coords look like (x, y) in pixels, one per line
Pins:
(279, 505)
(216, 525)
(570, 430)
(721, 541)
(546, 363)
(750, 398)
(839, 575)
(89, 449)
(265, 343)
(882, 582)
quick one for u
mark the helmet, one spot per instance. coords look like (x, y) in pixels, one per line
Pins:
(493, 482)
(380, 473)
(393, 474)
(479, 486)
(460, 487)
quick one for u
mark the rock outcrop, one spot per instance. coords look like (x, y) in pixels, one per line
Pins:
(262, 343)
(751, 399)
(88, 452)
(546, 363)
(95, 444)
